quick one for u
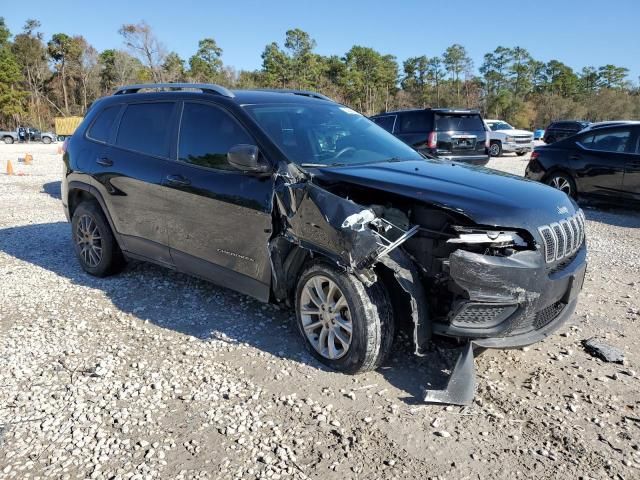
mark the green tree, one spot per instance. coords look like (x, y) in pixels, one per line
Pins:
(610, 76)
(63, 50)
(173, 68)
(11, 94)
(457, 62)
(206, 64)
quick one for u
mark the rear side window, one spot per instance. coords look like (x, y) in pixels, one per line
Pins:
(101, 127)
(446, 123)
(608, 141)
(144, 128)
(386, 122)
(415, 122)
(207, 133)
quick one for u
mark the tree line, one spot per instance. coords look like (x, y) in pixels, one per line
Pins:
(60, 76)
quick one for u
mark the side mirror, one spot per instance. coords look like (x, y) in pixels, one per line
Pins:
(247, 158)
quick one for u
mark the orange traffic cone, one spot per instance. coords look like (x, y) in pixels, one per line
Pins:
(28, 158)
(9, 168)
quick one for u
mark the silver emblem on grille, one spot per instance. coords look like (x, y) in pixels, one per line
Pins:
(562, 210)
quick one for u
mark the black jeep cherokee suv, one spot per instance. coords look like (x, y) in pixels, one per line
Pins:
(458, 135)
(289, 197)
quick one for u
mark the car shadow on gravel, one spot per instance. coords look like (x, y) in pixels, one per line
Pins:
(52, 189)
(208, 312)
(611, 215)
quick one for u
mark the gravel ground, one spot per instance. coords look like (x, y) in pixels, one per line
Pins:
(152, 374)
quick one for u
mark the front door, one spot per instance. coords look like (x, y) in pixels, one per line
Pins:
(601, 158)
(220, 221)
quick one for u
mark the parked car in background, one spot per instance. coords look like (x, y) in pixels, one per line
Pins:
(459, 135)
(538, 134)
(503, 138)
(36, 135)
(563, 129)
(65, 126)
(608, 123)
(8, 136)
(604, 162)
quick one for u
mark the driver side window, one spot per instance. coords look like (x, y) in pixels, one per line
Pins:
(207, 133)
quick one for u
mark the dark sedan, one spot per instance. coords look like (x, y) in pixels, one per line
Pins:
(602, 163)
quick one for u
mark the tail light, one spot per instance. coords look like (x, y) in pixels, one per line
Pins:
(534, 155)
(432, 140)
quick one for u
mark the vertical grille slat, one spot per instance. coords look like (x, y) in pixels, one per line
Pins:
(563, 238)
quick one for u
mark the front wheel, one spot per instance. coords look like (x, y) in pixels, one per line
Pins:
(521, 153)
(562, 182)
(345, 325)
(495, 149)
(46, 140)
(8, 140)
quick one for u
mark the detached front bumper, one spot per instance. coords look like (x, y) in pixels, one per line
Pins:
(511, 301)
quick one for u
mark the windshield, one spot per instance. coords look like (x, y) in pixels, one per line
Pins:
(500, 126)
(318, 135)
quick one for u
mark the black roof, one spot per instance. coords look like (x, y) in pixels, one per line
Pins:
(238, 96)
(436, 110)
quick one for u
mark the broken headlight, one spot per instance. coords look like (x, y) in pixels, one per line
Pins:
(489, 238)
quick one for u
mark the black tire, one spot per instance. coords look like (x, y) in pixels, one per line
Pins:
(111, 259)
(495, 149)
(521, 153)
(563, 182)
(8, 140)
(370, 316)
(46, 140)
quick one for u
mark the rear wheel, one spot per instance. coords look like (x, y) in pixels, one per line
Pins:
(8, 140)
(563, 182)
(93, 241)
(495, 149)
(344, 324)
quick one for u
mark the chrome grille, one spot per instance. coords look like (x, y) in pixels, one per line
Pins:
(562, 239)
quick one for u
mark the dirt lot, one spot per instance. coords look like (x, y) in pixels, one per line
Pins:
(152, 374)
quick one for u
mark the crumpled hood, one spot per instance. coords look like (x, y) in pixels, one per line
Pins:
(487, 197)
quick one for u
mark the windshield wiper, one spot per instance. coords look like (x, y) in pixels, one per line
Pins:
(320, 165)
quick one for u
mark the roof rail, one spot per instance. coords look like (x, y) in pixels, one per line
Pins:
(304, 93)
(204, 87)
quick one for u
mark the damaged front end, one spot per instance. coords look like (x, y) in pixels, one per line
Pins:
(486, 287)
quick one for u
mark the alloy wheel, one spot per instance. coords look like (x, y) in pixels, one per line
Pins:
(561, 184)
(326, 318)
(494, 149)
(89, 241)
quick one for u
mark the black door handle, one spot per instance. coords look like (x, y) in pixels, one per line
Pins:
(104, 161)
(178, 181)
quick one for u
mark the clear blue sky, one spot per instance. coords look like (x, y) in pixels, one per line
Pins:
(578, 33)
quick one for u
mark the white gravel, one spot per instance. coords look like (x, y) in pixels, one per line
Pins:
(152, 374)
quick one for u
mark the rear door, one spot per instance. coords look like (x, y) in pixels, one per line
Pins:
(631, 181)
(220, 221)
(128, 173)
(413, 128)
(461, 134)
(386, 121)
(600, 160)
